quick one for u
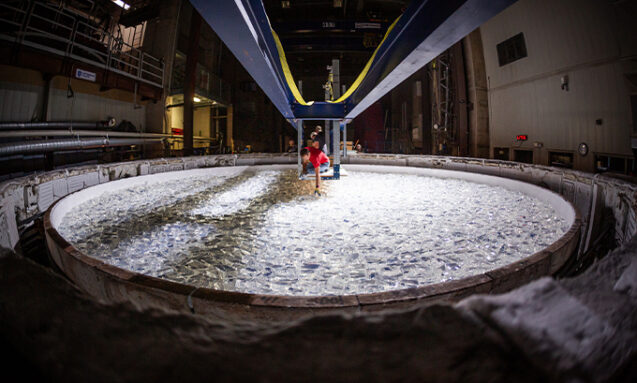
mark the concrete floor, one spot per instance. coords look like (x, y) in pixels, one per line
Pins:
(578, 329)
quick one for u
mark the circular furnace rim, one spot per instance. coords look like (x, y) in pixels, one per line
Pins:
(544, 262)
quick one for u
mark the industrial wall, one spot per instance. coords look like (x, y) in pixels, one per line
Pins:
(255, 122)
(573, 85)
(22, 95)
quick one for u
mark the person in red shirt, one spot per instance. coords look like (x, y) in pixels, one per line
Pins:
(315, 161)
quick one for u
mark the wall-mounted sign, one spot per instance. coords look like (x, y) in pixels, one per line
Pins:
(367, 25)
(521, 137)
(85, 75)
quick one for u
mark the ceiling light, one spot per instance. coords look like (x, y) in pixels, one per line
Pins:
(121, 4)
(196, 99)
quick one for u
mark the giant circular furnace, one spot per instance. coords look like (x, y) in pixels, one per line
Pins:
(258, 235)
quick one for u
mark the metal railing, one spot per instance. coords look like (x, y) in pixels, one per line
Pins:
(207, 83)
(51, 29)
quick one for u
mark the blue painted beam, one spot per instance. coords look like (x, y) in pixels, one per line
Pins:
(235, 25)
(425, 30)
(320, 111)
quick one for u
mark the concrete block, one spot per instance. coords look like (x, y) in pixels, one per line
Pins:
(480, 168)
(75, 183)
(221, 160)
(419, 162)
(45, 196)
(245, 161)
(450, 164)
(91, 179)
(144, 169)
(568, 190)
(9, 236)
(60, 188)
(157, 168)
(582, 198)
(119, 171)
(191, 164)
(103, 175)
(30, 196)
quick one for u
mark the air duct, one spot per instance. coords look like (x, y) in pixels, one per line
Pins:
(91, 133)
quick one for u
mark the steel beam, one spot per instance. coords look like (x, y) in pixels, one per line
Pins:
(299, 145)
(234, 22)
(426, 29)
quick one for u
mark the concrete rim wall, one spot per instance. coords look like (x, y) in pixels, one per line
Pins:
(23, 200)
(111, 283)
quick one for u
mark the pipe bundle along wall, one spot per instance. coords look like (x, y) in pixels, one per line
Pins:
(101, 138)
(110, 123)
(40, 146)
(92, 133)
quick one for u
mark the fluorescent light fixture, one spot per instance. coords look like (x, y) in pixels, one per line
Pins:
(121, 4)
(196, 99)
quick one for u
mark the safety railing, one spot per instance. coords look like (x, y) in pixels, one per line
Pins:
(212, 85)
(207, 83)
(50, 29)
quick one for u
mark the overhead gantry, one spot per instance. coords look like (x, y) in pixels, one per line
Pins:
(425, 30)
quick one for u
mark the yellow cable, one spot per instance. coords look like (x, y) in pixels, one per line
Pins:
(290, 80)
(362, 75)
(286, 71)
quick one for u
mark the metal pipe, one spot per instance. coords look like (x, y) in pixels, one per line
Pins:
(43, 146)
(344, 125)
(92, 133)
(337, 146)
(299, 145)
(110, 123)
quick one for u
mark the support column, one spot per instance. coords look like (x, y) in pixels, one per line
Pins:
(160, 39)
(190, 81)
(229, 119)
(337, 152)
(336, 93)
(478, 97)
(328, 139)
(460, 98)
(344, 125)
(299, 142)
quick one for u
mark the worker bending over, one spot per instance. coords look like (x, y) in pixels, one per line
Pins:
(315, 161)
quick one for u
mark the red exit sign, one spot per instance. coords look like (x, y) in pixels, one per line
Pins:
(521, 137)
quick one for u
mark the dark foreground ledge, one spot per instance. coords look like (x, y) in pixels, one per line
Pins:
(578, 329)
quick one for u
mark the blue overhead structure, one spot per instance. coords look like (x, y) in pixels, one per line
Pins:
(426, 29)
